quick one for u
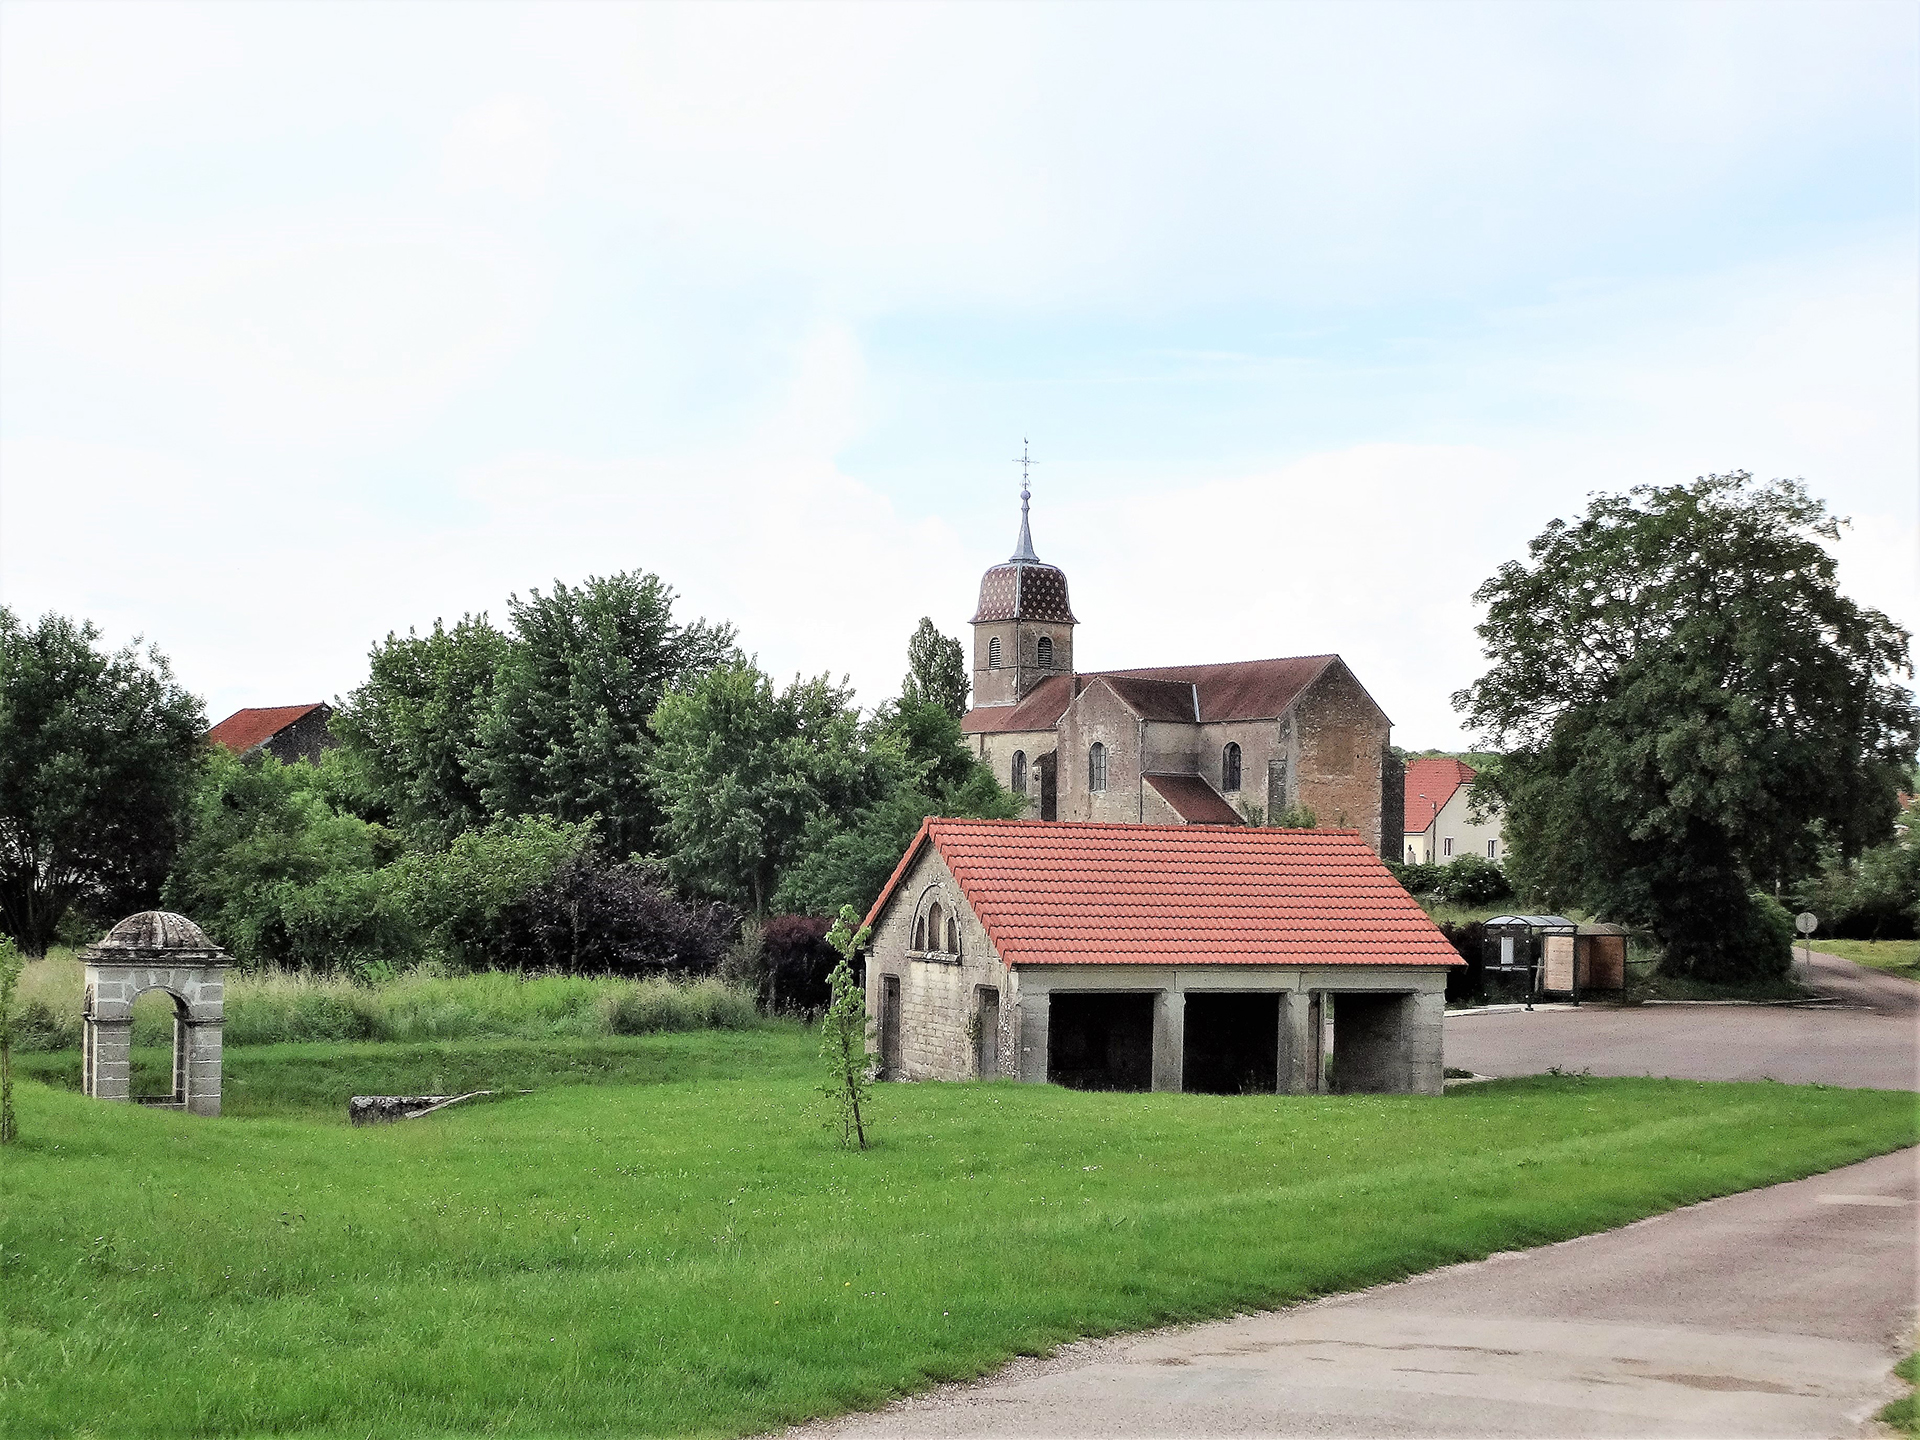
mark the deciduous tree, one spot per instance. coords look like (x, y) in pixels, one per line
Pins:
(936, 671)
(567, 734)
(97, 754)
(1690, 709)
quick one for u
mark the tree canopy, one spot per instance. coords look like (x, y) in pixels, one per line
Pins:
(936, 671)
(1689, 708)
(97, 754)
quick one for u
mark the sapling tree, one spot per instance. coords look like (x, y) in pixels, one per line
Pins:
(11, 964)
(843, 1033)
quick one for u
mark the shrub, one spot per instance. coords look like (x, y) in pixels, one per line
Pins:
(1419, 879)
(457, 895)
(648, 1006)
(799, 963)
(1471, 880)
(595, 918)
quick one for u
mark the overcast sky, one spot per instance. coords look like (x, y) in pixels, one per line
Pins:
(322, 321)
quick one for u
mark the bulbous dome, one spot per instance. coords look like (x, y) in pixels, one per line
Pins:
(156, 930)
(1024, 588)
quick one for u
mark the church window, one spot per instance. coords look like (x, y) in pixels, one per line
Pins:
(1019, 772)
(993, 653)
(953, 937)
(1230, 767)
(920, 933)
(934, 916)
(1046, 652)
(1097, 767)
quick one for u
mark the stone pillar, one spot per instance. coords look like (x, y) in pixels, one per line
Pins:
(197, 1053)
(1170, 1040)
(1032, 1060)
(1299, 1042)
(1426, 1042)
(110, 1045)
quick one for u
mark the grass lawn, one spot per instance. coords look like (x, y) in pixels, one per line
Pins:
(1896, 957)
(698, 1257)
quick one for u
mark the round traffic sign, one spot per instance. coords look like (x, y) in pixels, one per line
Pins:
(1806, 922)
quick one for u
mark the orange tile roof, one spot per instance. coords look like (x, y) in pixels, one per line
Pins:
(1055, 893)
(244, 729)
(1430, 784)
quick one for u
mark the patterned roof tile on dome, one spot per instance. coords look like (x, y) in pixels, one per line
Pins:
(1024, 591)
(1058, 893)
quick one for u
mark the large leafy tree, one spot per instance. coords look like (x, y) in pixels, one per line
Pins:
(98, 752)
(566, 734)
(845, 857)
(741, 769)
(936, 671)
(413, 728)
(1690, 709)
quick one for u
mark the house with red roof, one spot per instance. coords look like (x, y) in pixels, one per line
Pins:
(286, 732)
(1220, 958)
(1440, 822)
(1238, 743)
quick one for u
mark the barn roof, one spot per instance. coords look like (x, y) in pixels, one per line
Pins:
(1431, 783)
(1054, 893)
(244, 729)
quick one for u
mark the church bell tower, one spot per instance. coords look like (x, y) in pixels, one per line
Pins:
(1023, 627)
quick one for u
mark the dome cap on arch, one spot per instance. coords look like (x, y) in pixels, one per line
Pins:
(157, 930)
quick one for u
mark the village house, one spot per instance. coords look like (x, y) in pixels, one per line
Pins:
(1241, 743)
(286, 732)
(1223, 959)
(1440, 823)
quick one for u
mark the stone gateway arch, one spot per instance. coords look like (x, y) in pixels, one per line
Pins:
(155, 950)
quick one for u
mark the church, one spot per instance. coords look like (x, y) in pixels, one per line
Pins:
(1240, 743)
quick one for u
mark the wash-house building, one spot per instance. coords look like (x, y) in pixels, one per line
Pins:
(1224, 959)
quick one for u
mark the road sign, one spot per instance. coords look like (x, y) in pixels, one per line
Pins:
(1806, 922)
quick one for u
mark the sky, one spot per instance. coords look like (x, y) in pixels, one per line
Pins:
(318, 322)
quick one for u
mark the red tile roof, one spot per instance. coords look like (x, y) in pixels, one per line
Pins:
(1053, 893)
(244, 729)
(1430, 784)
(1238, 690)
(1194, 800)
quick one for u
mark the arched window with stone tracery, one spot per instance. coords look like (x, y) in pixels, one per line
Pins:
(1019, 785)
(1097, 767)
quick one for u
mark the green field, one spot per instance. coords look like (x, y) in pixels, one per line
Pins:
(696, 1256)
(1896, 957)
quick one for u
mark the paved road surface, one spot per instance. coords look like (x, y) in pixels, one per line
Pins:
(1876, 1047)
(1774, 1313)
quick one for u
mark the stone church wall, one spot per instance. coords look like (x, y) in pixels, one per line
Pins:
(1343, 738)
(995, 751)
(1098, 715)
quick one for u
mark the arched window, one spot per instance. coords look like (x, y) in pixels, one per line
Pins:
(1230, 767)
(953, 937)
(1097, 767)
(993, 653)
(920, 933)
(934, 916)
(1019, 772)
(1046, 652)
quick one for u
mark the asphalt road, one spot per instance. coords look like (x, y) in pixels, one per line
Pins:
(1774, 1313)
(1872, 1040)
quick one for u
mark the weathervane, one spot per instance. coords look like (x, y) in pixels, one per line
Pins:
(1024, 550)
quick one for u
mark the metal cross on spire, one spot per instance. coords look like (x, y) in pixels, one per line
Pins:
(1024, 550)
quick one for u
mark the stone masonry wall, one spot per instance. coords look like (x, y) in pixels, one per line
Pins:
(938, 995)
(1343, 737)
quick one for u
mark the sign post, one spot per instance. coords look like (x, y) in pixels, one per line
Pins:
(1806, 922)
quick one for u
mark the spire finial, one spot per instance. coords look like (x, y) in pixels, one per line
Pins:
(1024, 550)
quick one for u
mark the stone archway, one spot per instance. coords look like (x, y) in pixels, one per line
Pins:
(155, 950)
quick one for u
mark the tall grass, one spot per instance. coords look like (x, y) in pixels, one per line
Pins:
(274, 1007)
